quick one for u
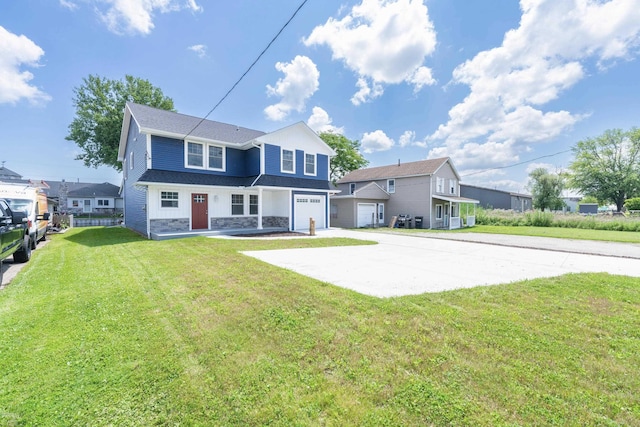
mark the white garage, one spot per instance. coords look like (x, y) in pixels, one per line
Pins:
(366, 214)
(308, 206)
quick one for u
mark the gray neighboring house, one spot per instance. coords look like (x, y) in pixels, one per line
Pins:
(428, 190)
(84, 197)
(490, 198)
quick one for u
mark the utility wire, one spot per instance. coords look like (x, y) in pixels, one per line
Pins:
(248, 69)
(515, 164)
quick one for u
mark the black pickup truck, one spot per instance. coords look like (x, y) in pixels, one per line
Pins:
(14, 239)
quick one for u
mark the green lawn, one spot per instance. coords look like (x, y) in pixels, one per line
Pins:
(557, 232)
(105, 328)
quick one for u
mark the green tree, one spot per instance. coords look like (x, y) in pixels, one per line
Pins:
(347, 158)
(546, 189)
(608, 167)
(99, 104)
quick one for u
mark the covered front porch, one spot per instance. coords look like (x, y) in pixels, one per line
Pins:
(451, 212)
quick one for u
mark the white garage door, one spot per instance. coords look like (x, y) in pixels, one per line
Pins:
(309, 207)
(366, 214)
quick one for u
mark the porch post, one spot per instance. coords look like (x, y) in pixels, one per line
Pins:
(450, 204)
(259, 208)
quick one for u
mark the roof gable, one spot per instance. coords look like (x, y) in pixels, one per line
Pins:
(418, 168)
(297, 136)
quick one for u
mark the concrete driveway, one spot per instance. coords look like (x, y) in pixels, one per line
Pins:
(407, 264)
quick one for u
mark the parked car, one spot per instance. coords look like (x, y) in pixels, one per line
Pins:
(14, 237)
(33, 201)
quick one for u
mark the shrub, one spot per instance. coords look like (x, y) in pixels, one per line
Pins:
(632, 204)
(539, 219)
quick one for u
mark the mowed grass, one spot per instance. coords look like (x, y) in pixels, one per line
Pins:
(106, 328)
(556, 232)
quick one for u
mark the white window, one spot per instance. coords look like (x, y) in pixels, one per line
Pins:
(103, 203)
(74, 203)
(237, 204)
(439, 185)
(216, 157)
(438, 211)
(381, 212)
(253, 204)
(169, 199)
(352, 188)
(452, 186)
(391, 185)
(288, 161)
(194, 155)
(309, 164)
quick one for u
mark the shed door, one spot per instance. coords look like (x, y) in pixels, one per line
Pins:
(199, 212)
(366, 214)
(306, 207)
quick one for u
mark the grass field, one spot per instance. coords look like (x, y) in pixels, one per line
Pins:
(106, 328)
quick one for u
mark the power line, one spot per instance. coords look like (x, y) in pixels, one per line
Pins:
(515, 164)
(248, 69)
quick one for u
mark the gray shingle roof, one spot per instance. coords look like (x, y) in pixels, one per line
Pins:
(155, 119)
(421, 167)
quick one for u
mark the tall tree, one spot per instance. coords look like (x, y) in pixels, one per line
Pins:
(608, 167)
(99, 104)
(546, 189)
(347, 158)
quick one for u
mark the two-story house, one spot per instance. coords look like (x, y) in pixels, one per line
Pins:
(428, 190)
(184, 175)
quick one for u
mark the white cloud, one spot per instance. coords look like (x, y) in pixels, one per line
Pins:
(546, 55)
(407, 138)
(382, 42)
(16, 52)
(376, 141)
(320, 121)
(68, 5)
(136, 16)
(199, 49)
(300, 81)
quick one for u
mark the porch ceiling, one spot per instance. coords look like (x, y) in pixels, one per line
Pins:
(456, 199)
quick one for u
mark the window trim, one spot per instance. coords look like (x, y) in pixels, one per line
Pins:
(186, 155)
(315, 164)
(439, 207)
(224, 157)
(256, 204)
(453, 184)
(103, 203)
(237, 204)
(389, 185)
(175, 200)
(381, 213)
(440, 184)
(293, 161)
(352, 188)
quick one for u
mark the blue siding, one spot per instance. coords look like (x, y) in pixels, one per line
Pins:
(252, 161)
(272, 166)
(135, 199)
(168, 154)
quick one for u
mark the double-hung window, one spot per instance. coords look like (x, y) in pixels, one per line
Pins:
(439, 185)
(253, 204)
(391, 186)
(288, 161)
(452, 186)
(438, 211)
(195, 155)
(352, 188)
(216, 157)
(237, 204)
(169, 199)
(309, 164)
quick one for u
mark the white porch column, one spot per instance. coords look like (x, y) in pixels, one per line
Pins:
(259, 208)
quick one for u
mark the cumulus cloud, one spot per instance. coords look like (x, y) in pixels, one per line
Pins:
(376, 141)
(320, 122)
(68, 5)
(136, 16)
(382, 42)
(199, 49)
(300, 81)
(15, 53)
(407, 138)
(546, 55)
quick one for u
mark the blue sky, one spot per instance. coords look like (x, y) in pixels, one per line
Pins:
(490, 84)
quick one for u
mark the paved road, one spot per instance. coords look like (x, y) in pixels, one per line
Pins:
(407, 264)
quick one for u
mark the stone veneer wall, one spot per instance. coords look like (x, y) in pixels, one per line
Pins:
(234, 222)
(169, 225)
(275, 221)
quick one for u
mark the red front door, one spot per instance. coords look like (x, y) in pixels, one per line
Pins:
(199, 212)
